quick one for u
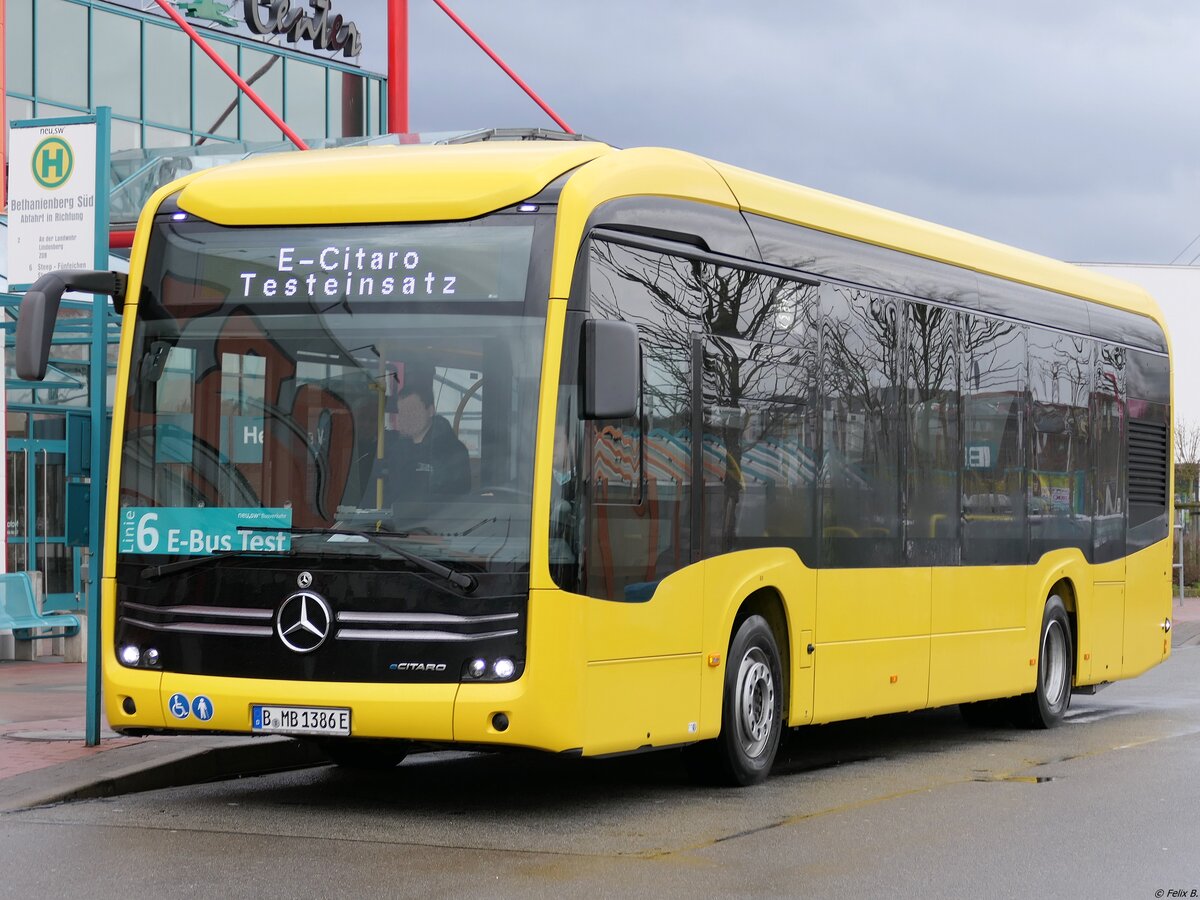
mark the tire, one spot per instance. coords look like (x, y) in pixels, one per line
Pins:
(751, 711)
(365, 755)
(1047, 704)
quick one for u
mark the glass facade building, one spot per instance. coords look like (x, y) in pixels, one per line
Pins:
(64, 57)
(173, 110)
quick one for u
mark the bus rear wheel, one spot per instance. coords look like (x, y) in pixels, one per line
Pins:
(751, 711)
(1046, 706)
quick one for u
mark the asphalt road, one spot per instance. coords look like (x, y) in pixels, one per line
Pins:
(911, 806)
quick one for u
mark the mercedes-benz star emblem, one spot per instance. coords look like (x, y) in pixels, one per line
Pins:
(304, 579)
(303, 621)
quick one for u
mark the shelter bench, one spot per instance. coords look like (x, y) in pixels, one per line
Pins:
(19, 613)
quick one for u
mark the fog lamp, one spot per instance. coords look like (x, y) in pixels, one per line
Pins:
(504, 668)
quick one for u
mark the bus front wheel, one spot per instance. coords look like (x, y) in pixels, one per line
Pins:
(751, 710)
(1046, 706)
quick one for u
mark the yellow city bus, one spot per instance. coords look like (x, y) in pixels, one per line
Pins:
(547, 444)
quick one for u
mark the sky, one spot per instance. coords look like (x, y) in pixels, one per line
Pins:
(1066, 128)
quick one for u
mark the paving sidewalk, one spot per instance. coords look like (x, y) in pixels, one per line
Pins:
(43, 757)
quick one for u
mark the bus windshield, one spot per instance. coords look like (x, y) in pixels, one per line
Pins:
(293, 388)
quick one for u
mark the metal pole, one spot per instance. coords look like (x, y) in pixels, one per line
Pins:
(498, 61)
(3, 117)
(1179, 552)
(98, 384)
(228, 70)
(397, 92)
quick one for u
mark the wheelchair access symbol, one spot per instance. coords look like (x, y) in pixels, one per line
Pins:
(179, 706)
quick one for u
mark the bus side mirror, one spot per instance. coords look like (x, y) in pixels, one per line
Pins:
(612, 368)
(39, 309)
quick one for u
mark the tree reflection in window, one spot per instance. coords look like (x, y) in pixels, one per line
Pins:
(932, 487)
(1060, 377)
(753, 336)
(1109, 422)
(860, 487)
(993, 475)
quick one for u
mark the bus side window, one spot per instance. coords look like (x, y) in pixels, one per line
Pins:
(637, 472)
(1109, 419)
(933, 439)
(993, 396)
(860, 464)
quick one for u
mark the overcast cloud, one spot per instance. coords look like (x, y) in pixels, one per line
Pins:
(1066, 128)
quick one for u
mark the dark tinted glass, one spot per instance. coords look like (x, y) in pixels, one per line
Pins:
(1126, 327)
(933, 441)
(838, 257)
(1109, 421)
(1149, 377)
(760, 458)
(1060, 383)
(357, 412)
(993, 385)
(634, 477)
(860, 470)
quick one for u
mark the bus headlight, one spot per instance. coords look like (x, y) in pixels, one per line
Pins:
(130, 655)
(503, 668)
(477, 668)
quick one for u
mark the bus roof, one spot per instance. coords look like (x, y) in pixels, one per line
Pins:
(460, 181)
(779, 199)
(382, 184)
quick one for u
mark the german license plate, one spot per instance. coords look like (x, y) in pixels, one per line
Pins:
(300, 720)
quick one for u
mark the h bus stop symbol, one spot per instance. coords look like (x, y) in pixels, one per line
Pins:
(53, 162)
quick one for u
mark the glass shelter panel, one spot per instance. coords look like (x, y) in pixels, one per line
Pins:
(62, 52)
(305, 96)
(18, 49)
(216, 97)
(167, 99)
(116, 66)
(265, 72)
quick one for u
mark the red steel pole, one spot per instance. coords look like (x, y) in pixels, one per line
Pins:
(397, 92)
(228, 70)
(498, 61)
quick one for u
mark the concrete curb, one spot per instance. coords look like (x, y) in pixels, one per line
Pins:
(154, 764)
(1185, 634)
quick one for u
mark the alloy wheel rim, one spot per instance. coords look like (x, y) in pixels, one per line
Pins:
(755, 713)
(1054, 664)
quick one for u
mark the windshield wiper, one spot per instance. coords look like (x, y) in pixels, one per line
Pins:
(151, 572)
(462, 580)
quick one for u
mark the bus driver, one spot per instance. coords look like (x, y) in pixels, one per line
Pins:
(422, 457)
